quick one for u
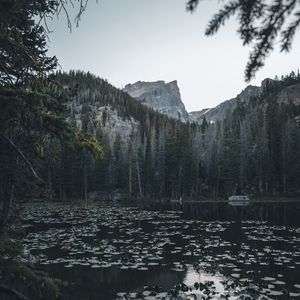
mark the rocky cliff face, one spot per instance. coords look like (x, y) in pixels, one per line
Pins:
(285, 95)
(219, 112)
(105, 108)
(165, 98)
(106, 118)
(161, 96)
(290, 94)
(196, 115)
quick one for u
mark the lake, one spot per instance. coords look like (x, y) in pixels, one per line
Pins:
(209, 251)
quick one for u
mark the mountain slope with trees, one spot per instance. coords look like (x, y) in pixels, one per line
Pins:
(254, 149)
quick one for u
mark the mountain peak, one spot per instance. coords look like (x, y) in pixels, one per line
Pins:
(223, 109)
(161, 96)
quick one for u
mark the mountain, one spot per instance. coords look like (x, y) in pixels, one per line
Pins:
(161, 96)
(290, 94)
(286, 94)
(147, 153)
(251, 146)
(195, 115)
(222, 110)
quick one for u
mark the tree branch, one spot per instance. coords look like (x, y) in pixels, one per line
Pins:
(10, 291)
(21, 154)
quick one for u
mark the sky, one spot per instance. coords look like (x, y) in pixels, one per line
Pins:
(125, 41)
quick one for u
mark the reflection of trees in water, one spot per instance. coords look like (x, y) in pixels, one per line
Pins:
(99, 283)
(224, 247)
(206, 211)
(275, 212)
(234, 233)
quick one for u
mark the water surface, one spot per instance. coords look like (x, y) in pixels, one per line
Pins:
(105, 252)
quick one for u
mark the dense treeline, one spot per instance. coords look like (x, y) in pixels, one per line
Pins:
(258, 145)
(32, 105)
(51, 128)
(32, 110)
(255, 150)
(151, 161)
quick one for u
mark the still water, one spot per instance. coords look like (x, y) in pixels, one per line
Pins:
(105, 252)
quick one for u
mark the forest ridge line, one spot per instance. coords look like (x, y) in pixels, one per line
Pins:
(252, 147)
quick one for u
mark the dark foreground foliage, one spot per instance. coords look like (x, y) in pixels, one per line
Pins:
(19, 281)
(261, 24)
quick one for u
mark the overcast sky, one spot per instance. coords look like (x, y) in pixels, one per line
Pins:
(126, 41)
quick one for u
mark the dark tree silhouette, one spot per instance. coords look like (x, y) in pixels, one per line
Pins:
(32, 105)
(23, 37)
(261, 24)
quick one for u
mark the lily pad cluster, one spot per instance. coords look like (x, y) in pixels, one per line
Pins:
(213, 260)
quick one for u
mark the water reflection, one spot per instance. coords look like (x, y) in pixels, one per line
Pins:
(89, 283)
(276, 212)
(104, 251)
(191, 277)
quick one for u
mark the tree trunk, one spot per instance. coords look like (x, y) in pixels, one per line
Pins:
(130, 178)
(50, 183)
(6, 208)
(139, 178)
(85, 183)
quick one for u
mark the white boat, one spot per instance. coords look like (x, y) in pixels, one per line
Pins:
(238, 200)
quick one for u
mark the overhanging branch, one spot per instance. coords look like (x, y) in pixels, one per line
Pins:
(10, 291)
(21, 154)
